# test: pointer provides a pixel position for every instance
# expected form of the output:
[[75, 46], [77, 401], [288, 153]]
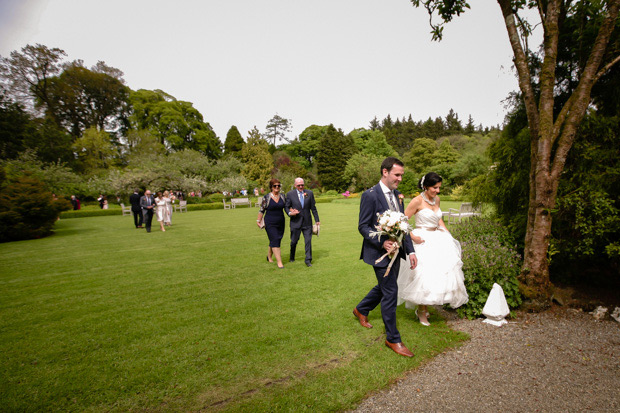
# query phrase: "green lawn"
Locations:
[[101, 316]]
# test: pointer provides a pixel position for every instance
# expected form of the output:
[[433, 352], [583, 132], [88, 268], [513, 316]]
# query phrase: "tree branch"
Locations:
[[605, 69], [520, 60], [580, 99]]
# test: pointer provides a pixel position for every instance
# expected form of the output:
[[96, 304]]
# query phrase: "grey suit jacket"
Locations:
[[144, 203]]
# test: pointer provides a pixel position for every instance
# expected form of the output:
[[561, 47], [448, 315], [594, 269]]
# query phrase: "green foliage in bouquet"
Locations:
[[488, 257]]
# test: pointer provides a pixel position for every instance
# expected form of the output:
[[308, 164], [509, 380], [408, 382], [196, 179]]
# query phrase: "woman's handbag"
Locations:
[[264, 205]]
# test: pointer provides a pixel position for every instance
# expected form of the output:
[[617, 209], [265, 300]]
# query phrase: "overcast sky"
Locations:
[[313, 62]]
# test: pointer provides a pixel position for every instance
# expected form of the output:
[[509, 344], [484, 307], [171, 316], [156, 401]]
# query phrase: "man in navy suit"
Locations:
[[299, 203], [377, 200], [134, 199]]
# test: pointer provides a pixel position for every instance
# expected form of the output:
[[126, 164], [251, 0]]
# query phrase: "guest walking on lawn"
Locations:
[[161, 210], [147, 203], [169, 198], [299, 204], [271, 212], [134, 200]]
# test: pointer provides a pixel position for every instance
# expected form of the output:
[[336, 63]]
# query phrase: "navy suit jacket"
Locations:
[[373, 202], [303, 219], [134, 199]]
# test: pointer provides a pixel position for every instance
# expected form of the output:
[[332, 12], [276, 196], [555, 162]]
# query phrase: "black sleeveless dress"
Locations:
[[274, 222]]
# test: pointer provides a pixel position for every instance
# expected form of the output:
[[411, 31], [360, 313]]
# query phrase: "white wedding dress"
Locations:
[[161, 208], [438, 278]]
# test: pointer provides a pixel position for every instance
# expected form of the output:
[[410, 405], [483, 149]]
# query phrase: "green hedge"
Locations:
[[190, 207], [202, 207], [90, 213]]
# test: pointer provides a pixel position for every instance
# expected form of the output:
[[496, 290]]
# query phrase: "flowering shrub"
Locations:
[[488, 258], [346, 194]]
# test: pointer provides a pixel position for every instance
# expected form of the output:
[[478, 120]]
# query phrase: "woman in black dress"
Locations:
[[272, 208]]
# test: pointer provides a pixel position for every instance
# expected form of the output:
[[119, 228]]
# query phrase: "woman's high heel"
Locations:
[[424, 323]]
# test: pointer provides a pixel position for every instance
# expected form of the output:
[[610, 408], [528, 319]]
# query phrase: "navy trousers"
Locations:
[[386, 294], [295, 235]]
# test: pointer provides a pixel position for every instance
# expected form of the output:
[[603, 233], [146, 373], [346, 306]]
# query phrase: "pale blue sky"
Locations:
[[314, 62]]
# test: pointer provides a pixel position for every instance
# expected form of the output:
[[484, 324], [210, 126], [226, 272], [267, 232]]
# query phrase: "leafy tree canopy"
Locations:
[[258, 161], [372, 142], [307, 145], [176, 124], [80, 98], [421, 156]]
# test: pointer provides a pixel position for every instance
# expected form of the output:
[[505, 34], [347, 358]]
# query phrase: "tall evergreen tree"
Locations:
[[470, 128], [234, 142], [374, 124], [335, 149], [453, 124]]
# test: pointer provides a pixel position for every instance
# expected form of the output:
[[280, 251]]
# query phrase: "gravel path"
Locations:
[[561, 360]]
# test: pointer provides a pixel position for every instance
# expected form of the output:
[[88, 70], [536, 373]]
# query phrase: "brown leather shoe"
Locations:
[[399, 348], [363, 319]]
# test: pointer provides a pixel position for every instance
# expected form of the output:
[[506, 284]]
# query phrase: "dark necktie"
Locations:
[[392, 204]]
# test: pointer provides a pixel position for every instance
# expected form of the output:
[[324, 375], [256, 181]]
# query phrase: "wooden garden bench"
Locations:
[[466, 210], [240, 201], [125, 210]]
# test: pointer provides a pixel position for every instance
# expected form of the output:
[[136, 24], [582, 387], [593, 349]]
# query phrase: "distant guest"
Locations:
[[75, 202], [161, 210], [147, 203], [169, 198], [134, 199]]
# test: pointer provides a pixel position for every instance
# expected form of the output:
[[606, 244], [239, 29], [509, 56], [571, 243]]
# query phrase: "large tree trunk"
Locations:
[[551, 139], [536, 286]]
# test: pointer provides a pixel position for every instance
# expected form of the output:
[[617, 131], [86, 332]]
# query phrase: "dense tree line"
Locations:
[[84, 131]]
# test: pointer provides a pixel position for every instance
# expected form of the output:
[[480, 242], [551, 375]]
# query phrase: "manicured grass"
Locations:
[[104, 317]]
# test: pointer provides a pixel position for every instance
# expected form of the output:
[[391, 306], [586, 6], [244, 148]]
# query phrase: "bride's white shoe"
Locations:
[[424, 323]]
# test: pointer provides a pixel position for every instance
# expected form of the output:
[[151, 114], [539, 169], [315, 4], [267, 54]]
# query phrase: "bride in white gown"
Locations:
[[438, 278]]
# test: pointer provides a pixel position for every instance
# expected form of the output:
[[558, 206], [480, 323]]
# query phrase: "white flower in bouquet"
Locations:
[[395, 225]]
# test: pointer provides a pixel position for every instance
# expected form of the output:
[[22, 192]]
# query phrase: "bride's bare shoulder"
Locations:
[[413, 206], [414, 201]]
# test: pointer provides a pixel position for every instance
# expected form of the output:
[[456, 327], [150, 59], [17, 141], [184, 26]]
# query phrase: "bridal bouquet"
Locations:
[[395, 225]]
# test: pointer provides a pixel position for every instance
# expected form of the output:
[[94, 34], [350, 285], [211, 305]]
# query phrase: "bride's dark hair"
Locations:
[[430, 179]]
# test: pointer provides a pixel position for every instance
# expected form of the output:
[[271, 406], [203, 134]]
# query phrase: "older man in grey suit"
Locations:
[[147, 203]]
